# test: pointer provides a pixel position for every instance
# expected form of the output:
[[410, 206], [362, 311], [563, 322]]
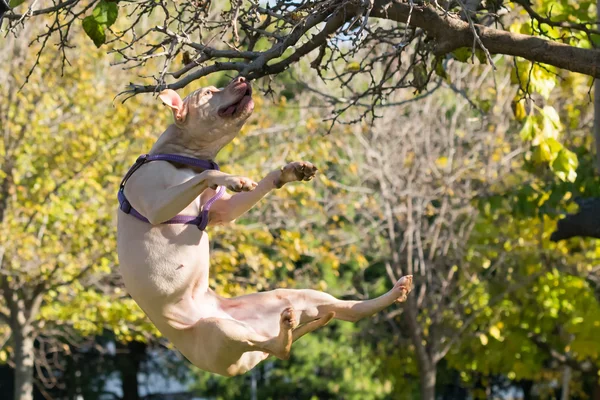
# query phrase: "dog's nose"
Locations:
[[239, 79]]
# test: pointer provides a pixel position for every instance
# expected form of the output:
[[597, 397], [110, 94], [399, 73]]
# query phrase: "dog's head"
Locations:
[[211, 117]]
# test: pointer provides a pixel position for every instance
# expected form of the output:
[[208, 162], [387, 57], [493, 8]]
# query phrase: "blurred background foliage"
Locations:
[[460, 185]]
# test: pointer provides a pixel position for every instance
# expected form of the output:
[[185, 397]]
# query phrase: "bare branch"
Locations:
[[49, 10]]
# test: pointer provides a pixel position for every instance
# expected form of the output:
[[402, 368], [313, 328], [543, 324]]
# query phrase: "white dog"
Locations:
[[164, 252]]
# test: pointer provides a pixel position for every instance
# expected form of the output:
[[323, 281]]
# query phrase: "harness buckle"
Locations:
[[203, 220], [124, 205], [141, 159]]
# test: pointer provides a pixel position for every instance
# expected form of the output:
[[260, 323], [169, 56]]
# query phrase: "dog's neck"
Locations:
[[173, 141]]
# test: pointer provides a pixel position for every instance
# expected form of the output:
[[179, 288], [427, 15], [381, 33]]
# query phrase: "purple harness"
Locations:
[[201, 220]]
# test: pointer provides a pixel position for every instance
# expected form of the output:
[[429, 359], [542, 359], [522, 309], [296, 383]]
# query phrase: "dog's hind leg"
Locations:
[[322, 304], [251, 359], [230, 347], [259, 310], [279, 346], [312, 326], [246, 362], [250, 340]]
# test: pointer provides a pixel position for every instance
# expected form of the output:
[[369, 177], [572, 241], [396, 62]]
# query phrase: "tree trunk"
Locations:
[[596, 392], [566, 382], [597, 108], [526, 386], [597, 122], [428, 377], [129, 361], [253, 384], [427, 366], [24, 358]]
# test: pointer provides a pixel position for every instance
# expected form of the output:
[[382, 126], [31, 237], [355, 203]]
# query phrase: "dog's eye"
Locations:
[[202, 94]]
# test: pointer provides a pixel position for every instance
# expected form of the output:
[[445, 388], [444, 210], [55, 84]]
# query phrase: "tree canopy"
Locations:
[[363, 52], [254, 39]]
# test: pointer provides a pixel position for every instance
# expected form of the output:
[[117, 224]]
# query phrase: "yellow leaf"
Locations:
[[353, 67], [483, 338], [519, 110], [495, 332]]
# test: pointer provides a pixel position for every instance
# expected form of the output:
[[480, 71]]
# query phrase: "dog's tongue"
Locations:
[[229, 110]]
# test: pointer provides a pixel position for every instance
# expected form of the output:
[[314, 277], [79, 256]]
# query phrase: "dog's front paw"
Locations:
[[288, 319], [296, 171], [235, 183], [402, 288]]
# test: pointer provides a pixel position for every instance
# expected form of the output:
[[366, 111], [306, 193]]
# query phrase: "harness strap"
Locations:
[[201, 221]]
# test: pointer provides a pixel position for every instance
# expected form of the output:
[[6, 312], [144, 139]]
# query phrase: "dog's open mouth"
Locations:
[[242, 103]]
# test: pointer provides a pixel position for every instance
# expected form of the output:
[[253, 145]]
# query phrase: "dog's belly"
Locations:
[[165, 269], [162, 267]]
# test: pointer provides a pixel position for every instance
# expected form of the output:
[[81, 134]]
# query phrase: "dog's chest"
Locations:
[[165, 260]]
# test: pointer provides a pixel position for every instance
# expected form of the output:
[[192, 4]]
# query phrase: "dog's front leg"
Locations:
[[161, 205], [229, 208]]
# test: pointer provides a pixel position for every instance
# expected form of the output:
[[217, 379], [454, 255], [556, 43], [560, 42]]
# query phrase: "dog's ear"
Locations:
[[172, 99]]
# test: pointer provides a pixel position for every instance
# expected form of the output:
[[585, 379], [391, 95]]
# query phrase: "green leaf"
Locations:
[[438, 64], [15, 3], [94, 30], [462, 54], [527, 132], [495, 202], [537, 79], [552, 116], [554, 145], [565, 164], [551, 122], [420, 75], [541, 153], [105, 13], [480, 54]]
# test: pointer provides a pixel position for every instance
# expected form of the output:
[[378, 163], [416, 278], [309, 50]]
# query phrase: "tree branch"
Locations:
[[452, 33], [584, 223], [338, 19], [49, 10], [559, 24], [257, 66]]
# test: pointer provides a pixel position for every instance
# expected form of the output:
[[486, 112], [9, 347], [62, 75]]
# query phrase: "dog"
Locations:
[[165, 263]]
